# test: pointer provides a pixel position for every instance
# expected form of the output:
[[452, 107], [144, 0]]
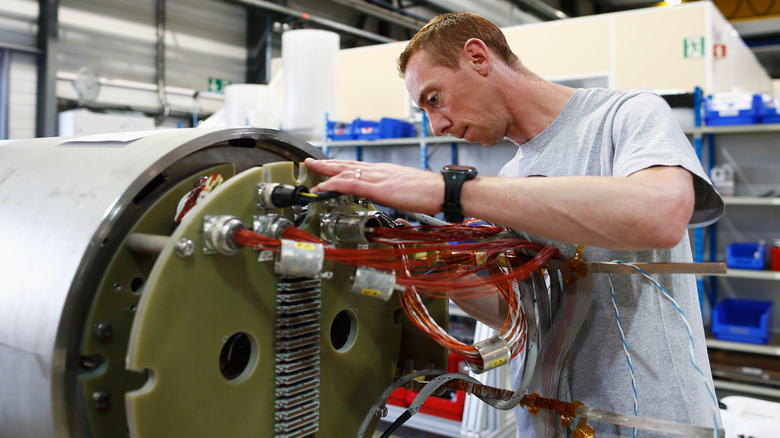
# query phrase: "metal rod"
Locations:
[[146, 243], [5, 69], [650, 268], [409, 22], [648, 423], [314, 19], [565, 408], [20, 48], [46, 98]]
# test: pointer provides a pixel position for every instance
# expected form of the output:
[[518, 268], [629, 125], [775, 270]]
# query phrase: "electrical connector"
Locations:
[[286, 195]]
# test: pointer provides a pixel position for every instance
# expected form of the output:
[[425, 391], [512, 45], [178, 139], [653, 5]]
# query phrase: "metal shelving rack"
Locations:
[[706, 134]]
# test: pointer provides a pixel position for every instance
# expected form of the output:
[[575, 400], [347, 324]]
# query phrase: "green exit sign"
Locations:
[[218, 84], [693, 47]]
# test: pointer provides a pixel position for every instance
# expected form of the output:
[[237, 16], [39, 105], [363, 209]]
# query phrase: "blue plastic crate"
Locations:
[[735, 111], [366, 129], [385, 128], [339, 131], [745, 255], [742, 320], [769, 111]]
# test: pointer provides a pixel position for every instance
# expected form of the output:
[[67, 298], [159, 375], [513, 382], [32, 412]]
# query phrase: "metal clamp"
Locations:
[[494, 352], [300, 259], [372, 282]]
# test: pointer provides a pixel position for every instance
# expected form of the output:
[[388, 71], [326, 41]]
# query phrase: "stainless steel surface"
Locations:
[[347, 228], [64, 204], [494, 351], [218, 234]]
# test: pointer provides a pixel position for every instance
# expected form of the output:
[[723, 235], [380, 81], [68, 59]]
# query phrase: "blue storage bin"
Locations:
[[386, 127], [339, 131], [745, 255], [741, 110], [407, 130], [365, 129], [395, 128], [742, 321], [770, 111]]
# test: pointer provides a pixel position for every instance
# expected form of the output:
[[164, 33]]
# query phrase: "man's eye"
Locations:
[[433, 99]]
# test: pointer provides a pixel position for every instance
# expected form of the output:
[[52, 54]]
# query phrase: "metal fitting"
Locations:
[[185, 247], [264, 191], [100, 400], [218, 234], [494, 351], [271, 225], [372, 282], [103, 331], [347, 228], [300, 259]]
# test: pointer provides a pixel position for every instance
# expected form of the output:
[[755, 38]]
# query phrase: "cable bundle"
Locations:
[[449, 261]]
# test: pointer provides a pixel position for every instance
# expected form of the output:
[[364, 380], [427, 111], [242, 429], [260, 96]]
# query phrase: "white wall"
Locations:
[[117, 38], [632, 49], [18, 20]]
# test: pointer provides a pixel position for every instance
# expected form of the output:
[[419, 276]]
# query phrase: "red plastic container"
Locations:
[[450, 405], [774, 257]]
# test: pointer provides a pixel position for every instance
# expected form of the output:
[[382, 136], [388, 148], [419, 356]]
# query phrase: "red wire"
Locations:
[[439, 262]]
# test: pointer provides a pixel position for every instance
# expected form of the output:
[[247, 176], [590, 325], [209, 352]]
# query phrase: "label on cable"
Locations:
[[265, 256]]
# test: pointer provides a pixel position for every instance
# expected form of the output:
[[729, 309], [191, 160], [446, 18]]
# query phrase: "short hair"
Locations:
[[445, 35]]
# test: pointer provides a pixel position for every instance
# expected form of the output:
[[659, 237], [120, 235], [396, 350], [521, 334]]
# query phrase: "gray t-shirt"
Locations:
[[616, 133]]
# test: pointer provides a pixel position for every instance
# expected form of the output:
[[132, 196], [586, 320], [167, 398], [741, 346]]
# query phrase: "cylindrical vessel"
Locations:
[[64, 205], [309, 63]]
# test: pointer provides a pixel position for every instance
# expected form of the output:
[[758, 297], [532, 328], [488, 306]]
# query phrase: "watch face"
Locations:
[[454, 168]]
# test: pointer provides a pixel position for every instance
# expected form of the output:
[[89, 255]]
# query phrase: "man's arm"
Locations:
[[649, 209], [490, 309]]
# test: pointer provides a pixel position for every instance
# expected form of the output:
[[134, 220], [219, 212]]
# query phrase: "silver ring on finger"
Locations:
[[358, 173]]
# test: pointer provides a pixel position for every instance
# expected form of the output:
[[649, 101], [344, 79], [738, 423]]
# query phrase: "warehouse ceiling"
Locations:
[[365, 22]]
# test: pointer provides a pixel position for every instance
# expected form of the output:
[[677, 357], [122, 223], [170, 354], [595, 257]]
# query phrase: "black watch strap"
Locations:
[[454, 177]]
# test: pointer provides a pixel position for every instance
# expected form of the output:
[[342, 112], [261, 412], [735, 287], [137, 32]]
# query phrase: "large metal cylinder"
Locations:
[[83, 305], [63, 202]]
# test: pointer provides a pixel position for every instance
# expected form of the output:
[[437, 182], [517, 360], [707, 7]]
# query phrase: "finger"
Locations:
[[403, 222], [332, 167]]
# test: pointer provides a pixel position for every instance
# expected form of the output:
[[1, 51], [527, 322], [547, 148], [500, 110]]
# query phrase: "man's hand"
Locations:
[[400, 187]]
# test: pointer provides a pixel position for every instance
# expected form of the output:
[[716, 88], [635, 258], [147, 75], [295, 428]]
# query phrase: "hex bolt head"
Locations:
[[185, 247], [100, 400], [103, 330]]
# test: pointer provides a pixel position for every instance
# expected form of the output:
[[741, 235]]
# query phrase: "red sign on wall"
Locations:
[[719, 50]]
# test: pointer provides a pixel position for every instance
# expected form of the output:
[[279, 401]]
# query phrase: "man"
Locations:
[[622, 179]]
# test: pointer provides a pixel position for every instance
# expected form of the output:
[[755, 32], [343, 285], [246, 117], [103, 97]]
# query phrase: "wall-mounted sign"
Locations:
[[693, 47]]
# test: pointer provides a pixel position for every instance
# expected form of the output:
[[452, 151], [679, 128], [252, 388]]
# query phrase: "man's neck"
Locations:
[[534, 104]]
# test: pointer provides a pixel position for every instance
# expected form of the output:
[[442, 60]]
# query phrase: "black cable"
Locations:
[[286, 195], [397, 423]]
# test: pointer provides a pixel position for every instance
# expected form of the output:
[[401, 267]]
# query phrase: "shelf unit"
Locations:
[[740, 212]]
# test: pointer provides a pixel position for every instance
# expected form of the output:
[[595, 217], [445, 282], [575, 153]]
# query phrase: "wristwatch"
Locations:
[[454, 177]]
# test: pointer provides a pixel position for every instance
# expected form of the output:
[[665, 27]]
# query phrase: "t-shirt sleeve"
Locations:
[[645, 135]]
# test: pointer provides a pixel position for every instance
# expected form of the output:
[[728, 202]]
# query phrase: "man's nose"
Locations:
[[440, 125]]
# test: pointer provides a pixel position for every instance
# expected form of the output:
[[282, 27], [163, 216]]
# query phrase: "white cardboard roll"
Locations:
[[309, 59]]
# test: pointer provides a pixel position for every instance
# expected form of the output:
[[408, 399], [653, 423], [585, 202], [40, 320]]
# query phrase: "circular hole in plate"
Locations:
[[343, 331], [238, 356]]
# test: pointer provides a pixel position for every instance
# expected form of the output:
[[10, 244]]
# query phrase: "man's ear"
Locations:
[[477, 56]]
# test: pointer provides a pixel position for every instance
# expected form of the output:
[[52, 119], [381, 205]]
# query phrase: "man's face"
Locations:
[[457, 102]]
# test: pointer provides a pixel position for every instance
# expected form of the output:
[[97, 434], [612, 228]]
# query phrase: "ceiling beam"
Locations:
[[330, 24]]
